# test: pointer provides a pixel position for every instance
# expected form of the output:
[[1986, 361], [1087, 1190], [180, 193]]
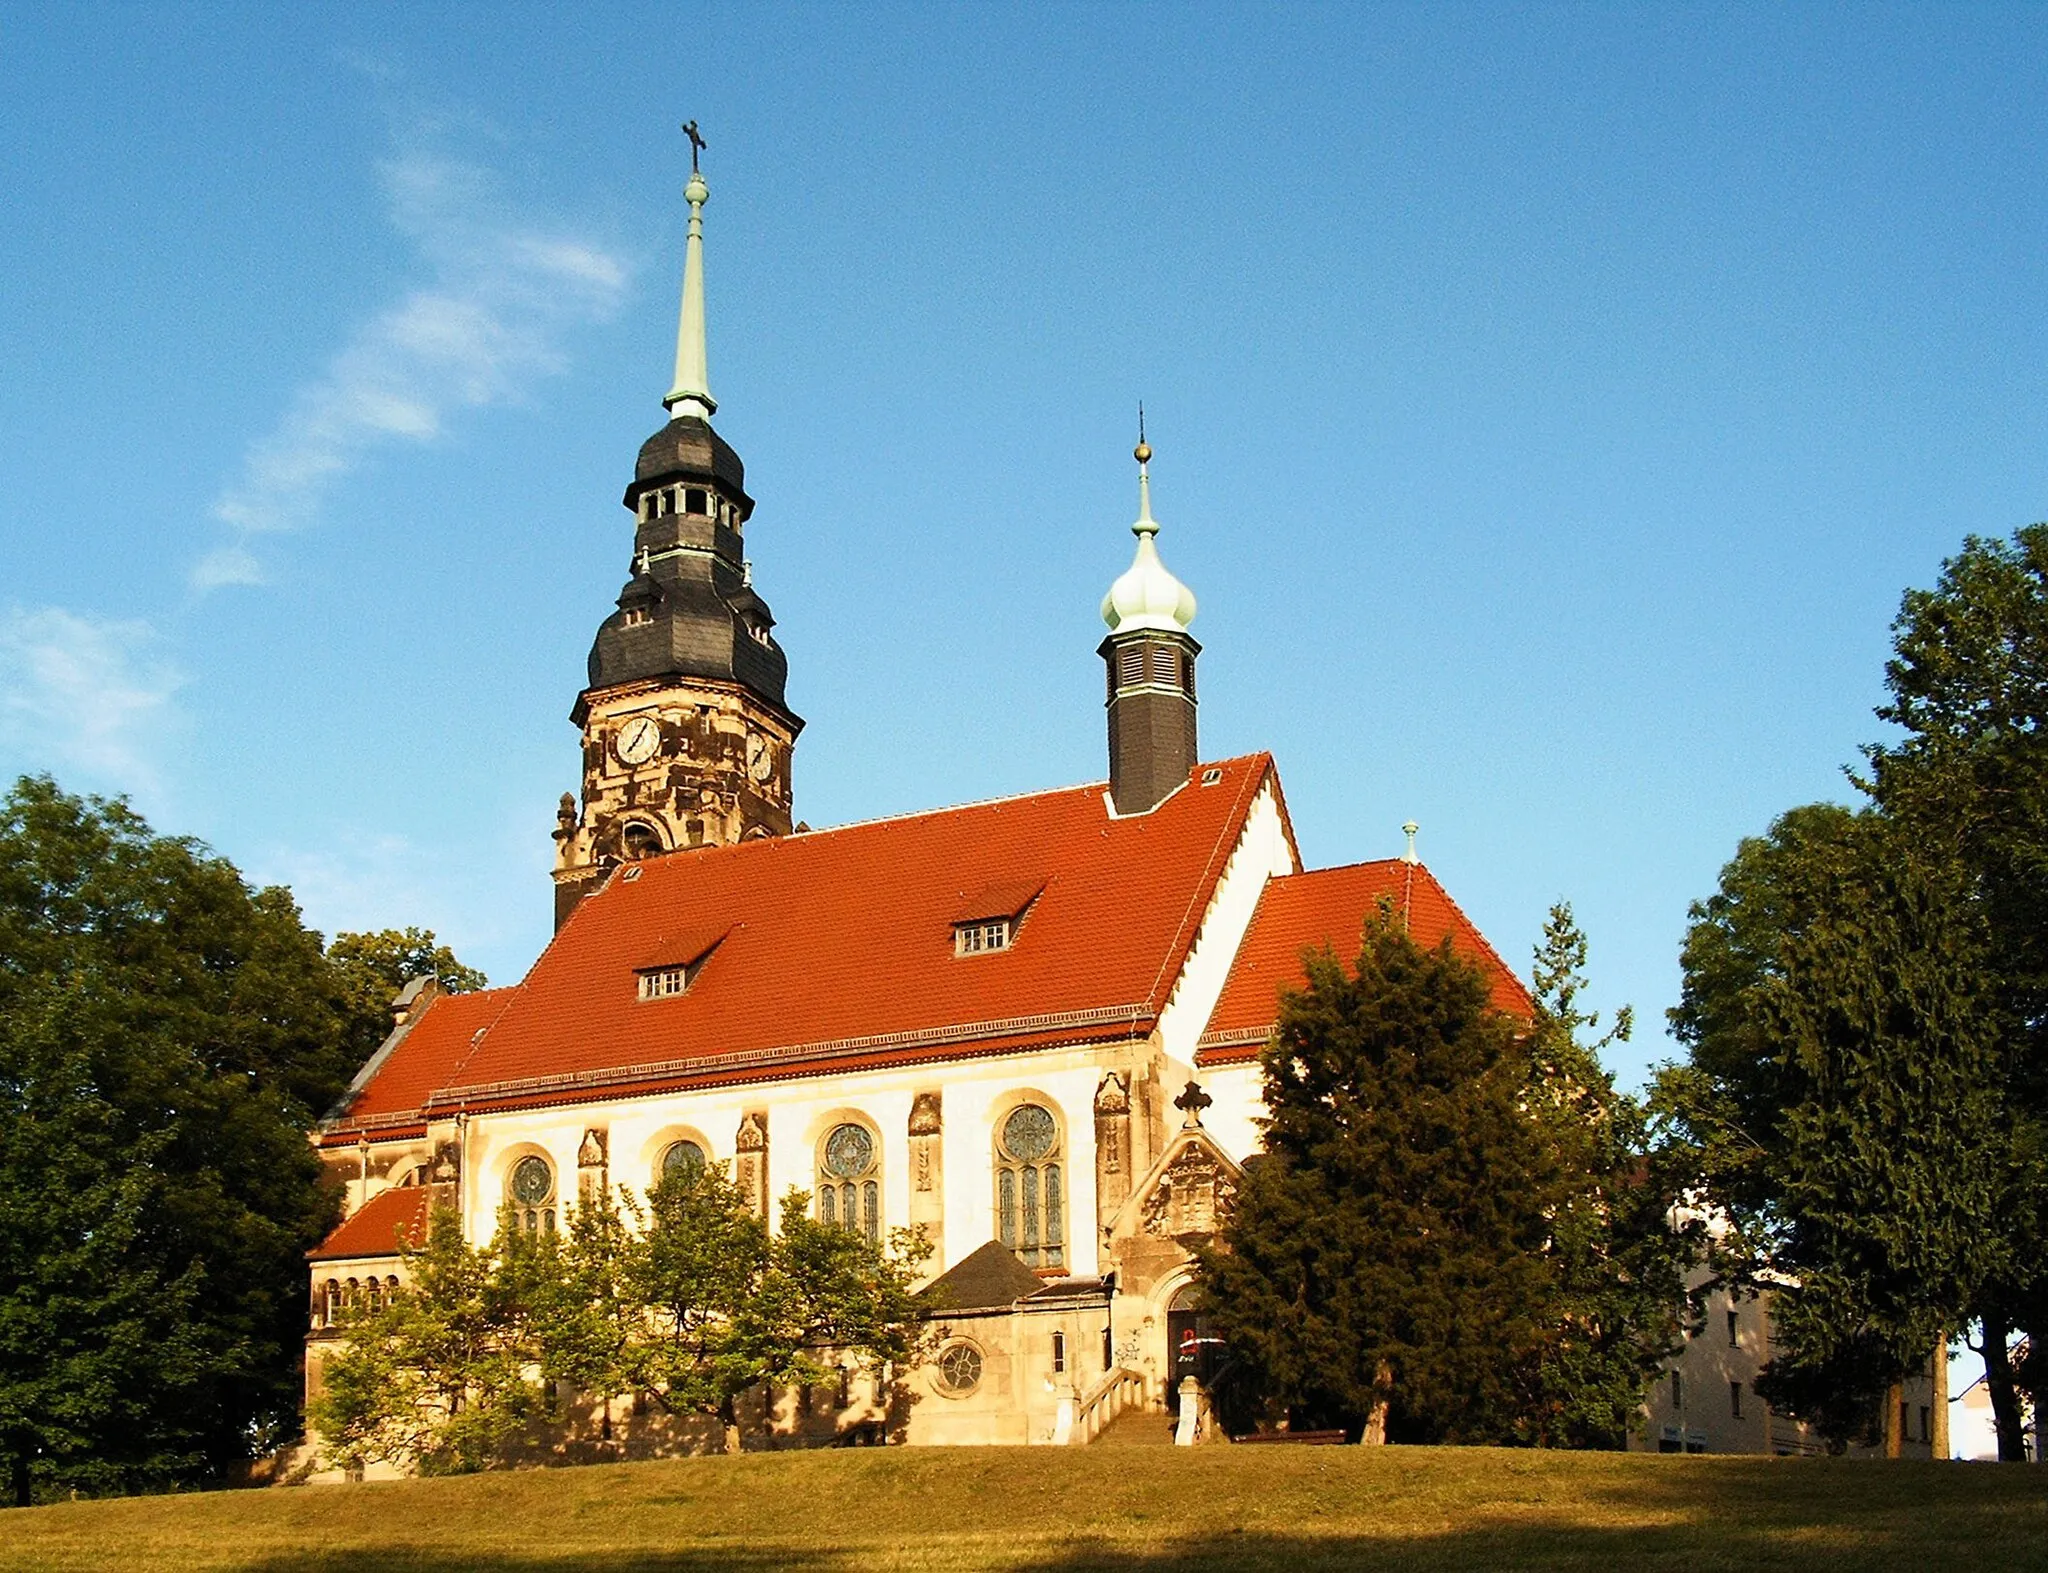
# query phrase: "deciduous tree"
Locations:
[[166, 1034]]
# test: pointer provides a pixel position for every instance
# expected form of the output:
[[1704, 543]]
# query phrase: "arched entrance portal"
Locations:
[[1193, 1349]]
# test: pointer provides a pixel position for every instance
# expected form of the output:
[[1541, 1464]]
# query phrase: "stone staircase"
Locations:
[[1137, 1428]]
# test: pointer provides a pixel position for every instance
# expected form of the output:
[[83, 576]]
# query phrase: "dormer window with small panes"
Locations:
[[974, 939]]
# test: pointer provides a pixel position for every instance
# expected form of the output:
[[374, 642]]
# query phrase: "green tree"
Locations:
[[1839, 1102], [732, 1305], [165, 1036], [1621, 1260], [441, 1376], [1385, 1267], [1968, 781], [371, 968], [688, 1298]]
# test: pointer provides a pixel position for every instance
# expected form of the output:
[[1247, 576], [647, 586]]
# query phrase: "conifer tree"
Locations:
[[1385, 1268], [1620, 1252], [1967, 781], [1840, 1101]]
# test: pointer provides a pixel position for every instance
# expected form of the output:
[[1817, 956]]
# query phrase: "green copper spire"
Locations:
[[692, 393]]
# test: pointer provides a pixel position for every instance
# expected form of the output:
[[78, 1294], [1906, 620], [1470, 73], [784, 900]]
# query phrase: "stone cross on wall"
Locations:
[[1191, 1102]]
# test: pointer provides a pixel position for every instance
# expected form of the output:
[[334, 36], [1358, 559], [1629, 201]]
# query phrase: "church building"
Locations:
[[1029, 1026]]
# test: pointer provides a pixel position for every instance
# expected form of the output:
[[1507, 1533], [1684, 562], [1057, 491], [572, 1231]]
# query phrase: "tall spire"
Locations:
[[692, 393]]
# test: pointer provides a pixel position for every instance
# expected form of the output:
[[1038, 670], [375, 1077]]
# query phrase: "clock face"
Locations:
[[637, 740], [760, 758]]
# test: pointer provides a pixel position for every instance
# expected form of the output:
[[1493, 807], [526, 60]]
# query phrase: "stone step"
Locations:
[[1137, 1428]]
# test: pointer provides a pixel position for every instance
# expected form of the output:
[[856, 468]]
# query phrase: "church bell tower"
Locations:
[[1151, 659], [686, 733]]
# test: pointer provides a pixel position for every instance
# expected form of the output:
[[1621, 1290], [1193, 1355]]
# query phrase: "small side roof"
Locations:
[[1328, 906], [415, 1063], [989, 1278], [388, 1223]]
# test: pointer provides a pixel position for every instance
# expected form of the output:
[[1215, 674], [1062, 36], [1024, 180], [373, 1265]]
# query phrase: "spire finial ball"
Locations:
[[696, 192], [1143, 452]]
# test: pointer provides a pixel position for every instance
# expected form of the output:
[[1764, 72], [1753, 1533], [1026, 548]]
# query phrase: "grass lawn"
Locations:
[[1129, 1509]]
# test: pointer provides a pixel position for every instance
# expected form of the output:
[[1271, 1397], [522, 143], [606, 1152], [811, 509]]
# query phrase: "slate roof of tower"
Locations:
[[380, 1226], [835, 949], [1328, 907]]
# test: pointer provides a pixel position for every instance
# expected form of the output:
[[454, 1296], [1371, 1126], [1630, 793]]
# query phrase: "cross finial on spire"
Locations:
[[691, 394]]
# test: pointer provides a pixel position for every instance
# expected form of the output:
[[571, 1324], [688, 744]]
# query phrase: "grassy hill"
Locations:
[[1129, 1509]]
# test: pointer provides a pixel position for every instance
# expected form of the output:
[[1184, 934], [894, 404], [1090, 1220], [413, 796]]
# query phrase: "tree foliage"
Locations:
[[371, 968], [687, 1297], [1620, 1258], [1839, 1100], [1397, 1251], [166, 1033], [1968, 782]]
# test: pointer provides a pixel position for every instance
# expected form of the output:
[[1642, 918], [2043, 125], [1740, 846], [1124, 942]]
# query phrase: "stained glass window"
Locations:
[[1030, 1204], [959, 1368], [683, 1158], [849, 1189]]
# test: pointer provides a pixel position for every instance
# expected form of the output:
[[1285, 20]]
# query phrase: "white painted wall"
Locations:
[[975, 1096]]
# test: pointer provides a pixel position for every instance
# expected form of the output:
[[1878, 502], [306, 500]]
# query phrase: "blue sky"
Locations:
[[1550, 406]]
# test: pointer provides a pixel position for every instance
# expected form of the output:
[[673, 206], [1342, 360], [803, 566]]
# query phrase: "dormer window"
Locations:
[[667, 979], [636, 615], [974, 939], [663, 982]]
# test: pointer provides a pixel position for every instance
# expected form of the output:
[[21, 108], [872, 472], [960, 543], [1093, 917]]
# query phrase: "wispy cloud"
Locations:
[[94, 695], [495, 300]]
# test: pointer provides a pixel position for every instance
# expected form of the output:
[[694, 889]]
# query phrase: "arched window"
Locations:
[[850, 1180], [682, 1158], [639, 841], [532, 1193], [332, 1308], [390, 1288], [1031, 1198]]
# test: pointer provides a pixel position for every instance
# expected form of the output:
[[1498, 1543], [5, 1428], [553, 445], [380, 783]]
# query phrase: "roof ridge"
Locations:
[[1212, 875], [1473, 929], [985, 802]]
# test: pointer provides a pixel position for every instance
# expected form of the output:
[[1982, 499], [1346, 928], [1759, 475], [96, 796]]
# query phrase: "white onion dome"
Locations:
[[1146, 595]]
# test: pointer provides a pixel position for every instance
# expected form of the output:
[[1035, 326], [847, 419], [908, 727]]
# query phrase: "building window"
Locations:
[[959, 1368], [849, 1181], [981, 936], [1059, 1353], [1734, 1340], [1030, 1187], [532, 1191], [845, 1400], [1108, 1352], [639, 841], [694, 501], [1735, 1399], [1677, 1391], [636, 615], [331, 1309], [662, 982], [682, 1159], [1925, 1434]]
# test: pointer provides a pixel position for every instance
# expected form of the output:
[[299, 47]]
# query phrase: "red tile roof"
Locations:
[[420, 1063], [1328, 907], [378, 1226], [837, 945]]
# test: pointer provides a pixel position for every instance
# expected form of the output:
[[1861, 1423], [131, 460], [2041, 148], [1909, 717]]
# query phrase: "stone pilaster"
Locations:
[[750, 1166], [1113, 1154], [927, 1176]]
